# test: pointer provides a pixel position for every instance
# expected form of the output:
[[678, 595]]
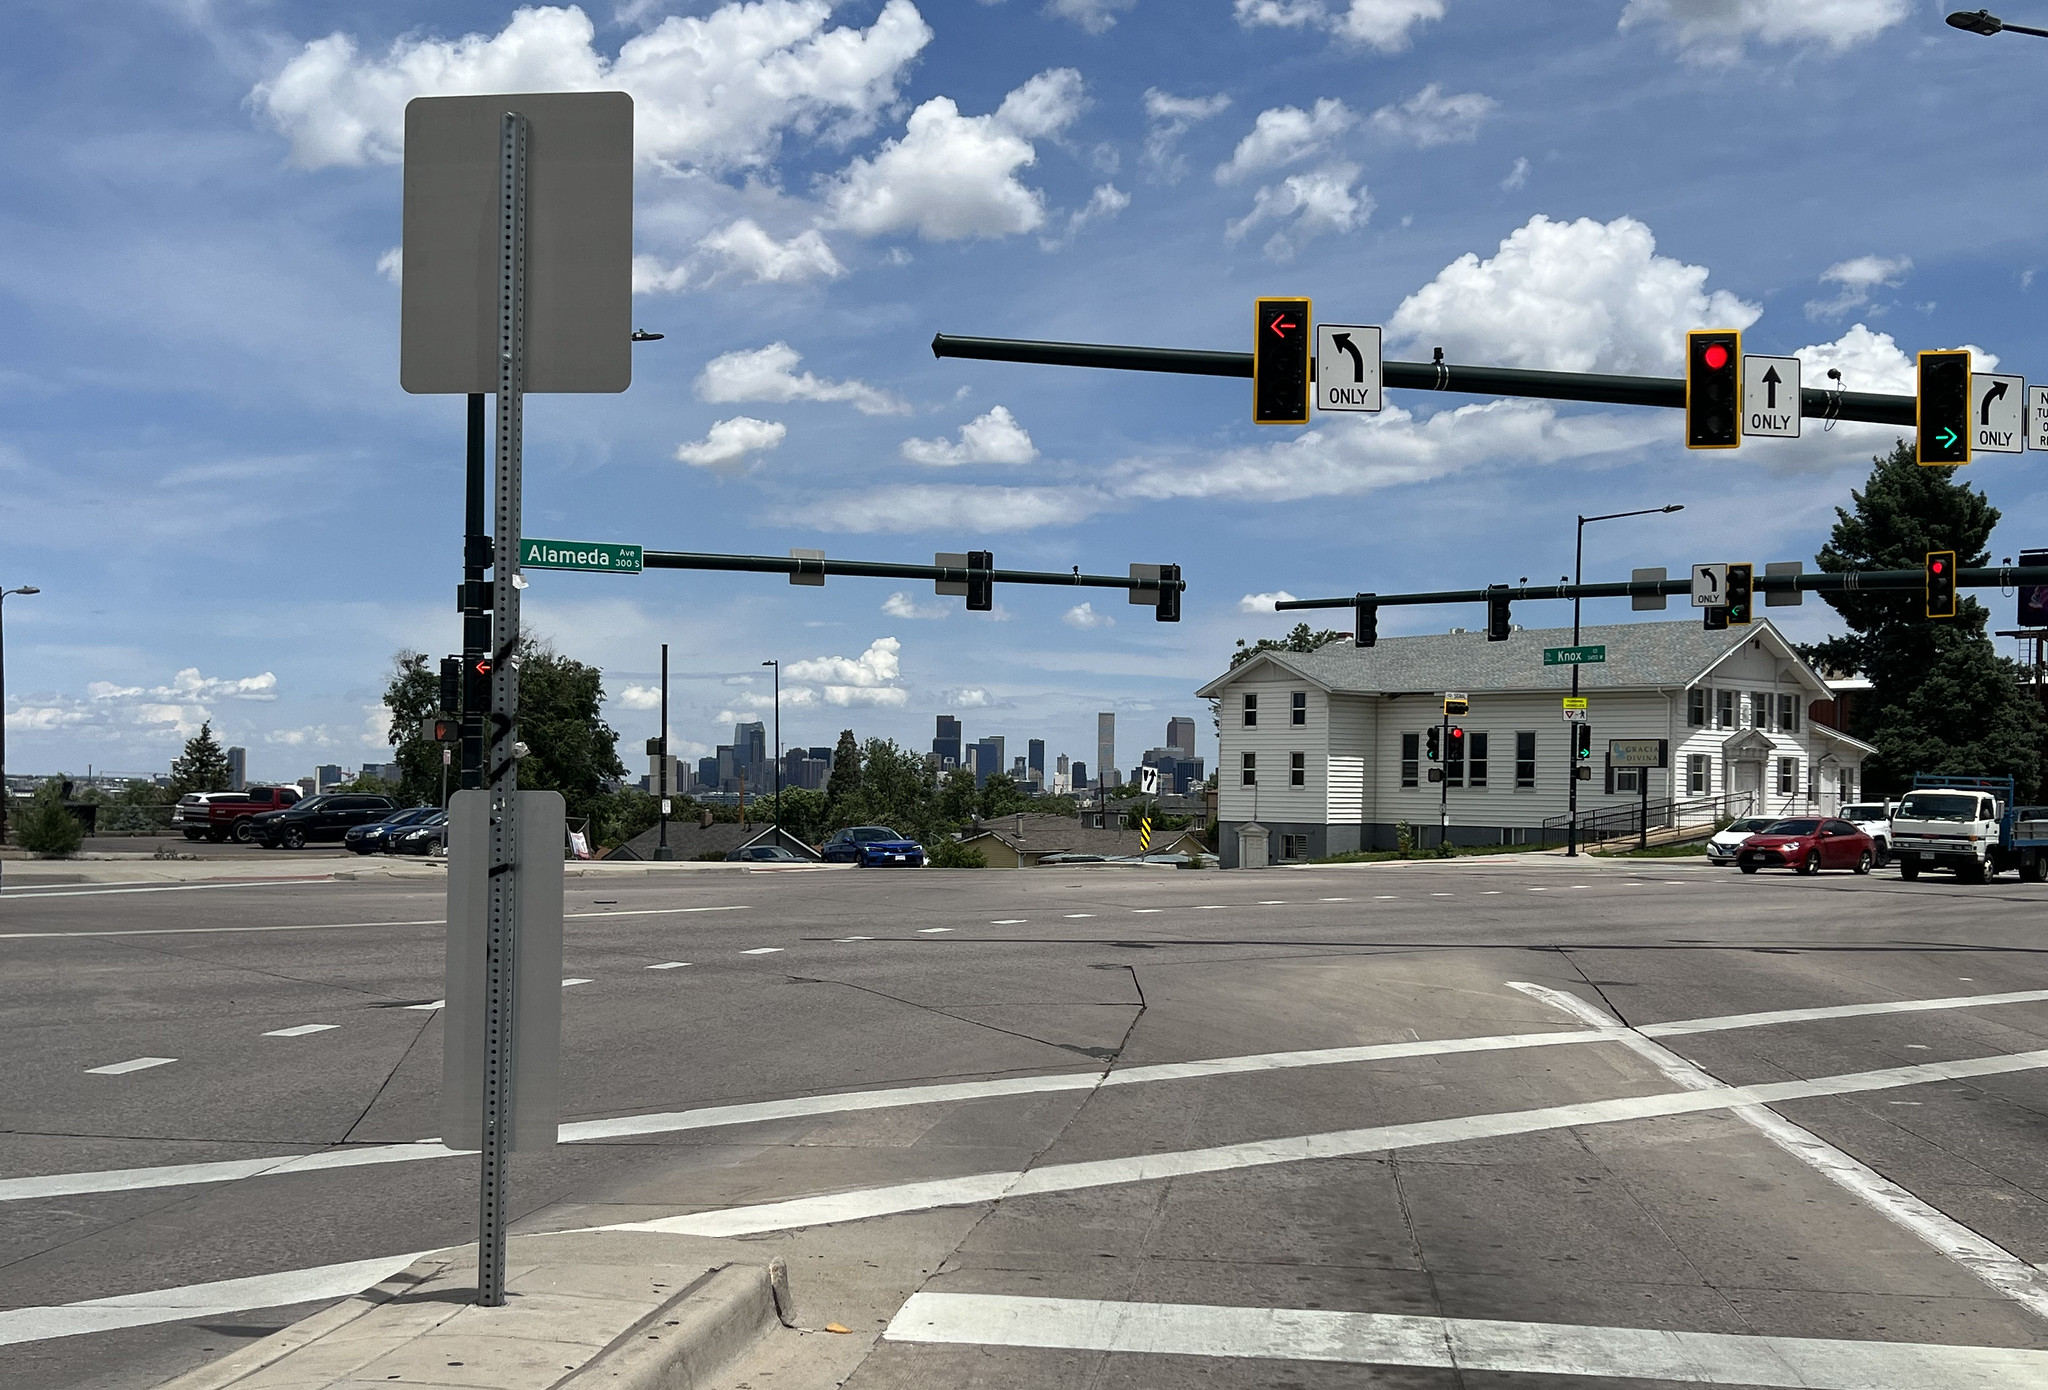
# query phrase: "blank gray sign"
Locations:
[[579, 240]]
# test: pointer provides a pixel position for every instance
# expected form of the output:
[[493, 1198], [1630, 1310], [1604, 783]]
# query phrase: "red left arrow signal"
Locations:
[[1280, 322]]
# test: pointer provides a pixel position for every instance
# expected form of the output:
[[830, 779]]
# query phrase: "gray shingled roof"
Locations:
[[1671, 653]]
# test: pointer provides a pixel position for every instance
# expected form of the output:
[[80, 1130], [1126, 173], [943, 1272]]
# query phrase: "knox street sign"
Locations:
[[1574, 656]]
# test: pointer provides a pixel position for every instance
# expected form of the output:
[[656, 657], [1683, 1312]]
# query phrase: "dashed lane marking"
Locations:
[[303, 1030], [1003, 922], [1077, 914], [1461, 1344], [667, 965], [1147, 909], [932, 931], [577, 980], [426, 1008], [1384, 897], [761, 951], [1333, 900], [842, 940], [135, 1064], [1272, 902]]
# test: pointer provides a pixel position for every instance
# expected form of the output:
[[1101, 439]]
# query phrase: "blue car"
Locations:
[[369, 839], [872, 846]]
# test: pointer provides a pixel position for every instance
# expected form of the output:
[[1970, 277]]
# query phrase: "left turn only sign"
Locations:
[[1348, 367]]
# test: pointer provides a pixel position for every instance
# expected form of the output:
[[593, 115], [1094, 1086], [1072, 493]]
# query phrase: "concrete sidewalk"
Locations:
[[581, 1311]]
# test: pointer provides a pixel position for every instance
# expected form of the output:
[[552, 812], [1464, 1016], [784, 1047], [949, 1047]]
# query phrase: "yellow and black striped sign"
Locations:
[[1145, 835]]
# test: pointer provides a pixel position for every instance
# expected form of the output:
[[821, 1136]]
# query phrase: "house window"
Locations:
[[1300, 708], [1696, 707], [1251, 710], [1626, 779], [1525, 760], [1788, 776], [1724, 709], [1788, 714], [1297, 769], [1697, 775], [1477, 775], [1760, 702], [1411, 758], [1251, 770], [1294, 846]]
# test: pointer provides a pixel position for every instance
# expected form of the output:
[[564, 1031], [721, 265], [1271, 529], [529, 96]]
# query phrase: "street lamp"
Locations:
[[24, 589], [1571, 824], [1985, 22], [778, 748], [663, 784]]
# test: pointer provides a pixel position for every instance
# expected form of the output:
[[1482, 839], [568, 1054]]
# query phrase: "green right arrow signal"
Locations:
[[1947, 438]]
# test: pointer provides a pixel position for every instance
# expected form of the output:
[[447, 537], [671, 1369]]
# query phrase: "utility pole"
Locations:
[[1443, 830], [661, 849], [777, 664]]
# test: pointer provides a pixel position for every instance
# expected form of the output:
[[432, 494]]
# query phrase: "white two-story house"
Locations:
[[1326, 749]]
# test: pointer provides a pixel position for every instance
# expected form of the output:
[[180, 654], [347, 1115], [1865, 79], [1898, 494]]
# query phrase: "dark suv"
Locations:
[[317, 818]]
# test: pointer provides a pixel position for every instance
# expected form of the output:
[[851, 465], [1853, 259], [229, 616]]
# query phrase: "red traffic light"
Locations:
[[1716, 356], [483, 666], [1938, 566]]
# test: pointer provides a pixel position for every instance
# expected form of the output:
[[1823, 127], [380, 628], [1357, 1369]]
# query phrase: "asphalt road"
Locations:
[[1467, 1123]]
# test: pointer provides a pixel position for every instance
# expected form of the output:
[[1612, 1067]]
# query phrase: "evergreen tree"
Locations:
[[47, 827], [844, 782], [1942, 700], [1300, 639], [204, 767]]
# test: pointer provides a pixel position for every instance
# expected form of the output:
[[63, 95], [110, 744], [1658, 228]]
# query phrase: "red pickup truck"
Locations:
[[227, 817]]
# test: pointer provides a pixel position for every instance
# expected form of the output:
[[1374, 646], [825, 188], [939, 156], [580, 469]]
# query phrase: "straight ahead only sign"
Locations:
[[1770, 397]]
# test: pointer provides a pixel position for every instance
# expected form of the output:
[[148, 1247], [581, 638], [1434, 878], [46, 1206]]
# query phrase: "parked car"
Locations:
[[1873, 818], [1722, 848], [428, 836], [369, 839], [228, 817], [765, 854], [1807, 846], [872, 846], [191, 814], [318, 818]]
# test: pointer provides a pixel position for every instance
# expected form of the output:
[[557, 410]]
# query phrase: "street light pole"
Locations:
[[24, 589], [1571, 824], [662, 781], [778, 748], [1986, 23]]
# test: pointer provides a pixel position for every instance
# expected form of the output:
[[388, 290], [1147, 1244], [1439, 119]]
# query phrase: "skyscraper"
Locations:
[[750, 750], [1180, 733], [1105, 746], [238, 769], [1034, 757], [947, 744]]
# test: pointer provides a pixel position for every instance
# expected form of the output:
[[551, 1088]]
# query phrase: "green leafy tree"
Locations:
[[571, 749], [623, 814], [949, 853], [46, 826], [896, 789], [412, 692], [845, 779], [1300, 639], [804, 814], [1000, 797], [1942, 700], [204, 766], [957, 801]]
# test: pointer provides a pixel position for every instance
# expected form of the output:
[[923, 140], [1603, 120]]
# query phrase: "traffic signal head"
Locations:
[[1714, 619], [1457, 704], [476, 685], [1713, 389], [1280, 363], [1741, 608], [1497, 626], [451, 685], [1456, 748], [981, 589], [1168, 610], [1941, 583], [1582, 742], [1434, 742], [1943, 436], [1365, 621]]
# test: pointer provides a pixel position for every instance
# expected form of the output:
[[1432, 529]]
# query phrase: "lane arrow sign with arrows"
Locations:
[[1348, 367], [1770, 397]]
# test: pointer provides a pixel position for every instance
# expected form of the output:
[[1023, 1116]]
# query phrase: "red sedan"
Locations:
[[1808, 846]]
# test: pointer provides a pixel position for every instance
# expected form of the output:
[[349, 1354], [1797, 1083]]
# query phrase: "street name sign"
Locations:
[[1998, 412], [1574, 656], [579, 555], [1348, 367], [1635, 752], [1770, 397], [1710, 586], [2037, 417]]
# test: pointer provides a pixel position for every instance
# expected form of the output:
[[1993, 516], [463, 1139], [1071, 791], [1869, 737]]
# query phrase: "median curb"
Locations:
[[567, 1324]]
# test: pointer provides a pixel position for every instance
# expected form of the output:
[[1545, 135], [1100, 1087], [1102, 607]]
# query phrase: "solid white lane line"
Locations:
[[325, 926], [123, 1068], [1892, 1006], [761, 951], [19, 1325], [1989, 1261], [1463, 1344], [576, 980], [84, 891], [303, 1030], [667, 965], [1070, 1177]]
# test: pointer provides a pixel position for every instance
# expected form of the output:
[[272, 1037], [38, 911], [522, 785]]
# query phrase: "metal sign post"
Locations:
[[502, 777]]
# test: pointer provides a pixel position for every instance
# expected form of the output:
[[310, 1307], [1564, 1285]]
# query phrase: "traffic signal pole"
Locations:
[[1664, 392], [882, 569], [1851, 581]]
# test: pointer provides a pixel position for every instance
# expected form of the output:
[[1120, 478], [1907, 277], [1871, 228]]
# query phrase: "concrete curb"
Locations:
[[684, 1343]]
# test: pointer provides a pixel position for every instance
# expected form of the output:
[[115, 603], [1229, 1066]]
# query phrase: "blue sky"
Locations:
[[234, 513]]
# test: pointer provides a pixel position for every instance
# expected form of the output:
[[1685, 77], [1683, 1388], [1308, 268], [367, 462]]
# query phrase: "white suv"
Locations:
[[1873, 818]]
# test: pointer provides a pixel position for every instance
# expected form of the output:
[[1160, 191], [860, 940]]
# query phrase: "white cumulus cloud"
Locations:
[[1716, 31], [1431, 118], [728, 443], [1386, 25], [969, 697], [1284, 135], [877, 666], [641, 697], [995, 437], [769, 374], [1318, 201], [904, 605], [1856, 278], [1580, 296], [1084, 615], [1263, 603], [1168, 118], [1094, 16], [966, 509], [716, 91], [743, 249]]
